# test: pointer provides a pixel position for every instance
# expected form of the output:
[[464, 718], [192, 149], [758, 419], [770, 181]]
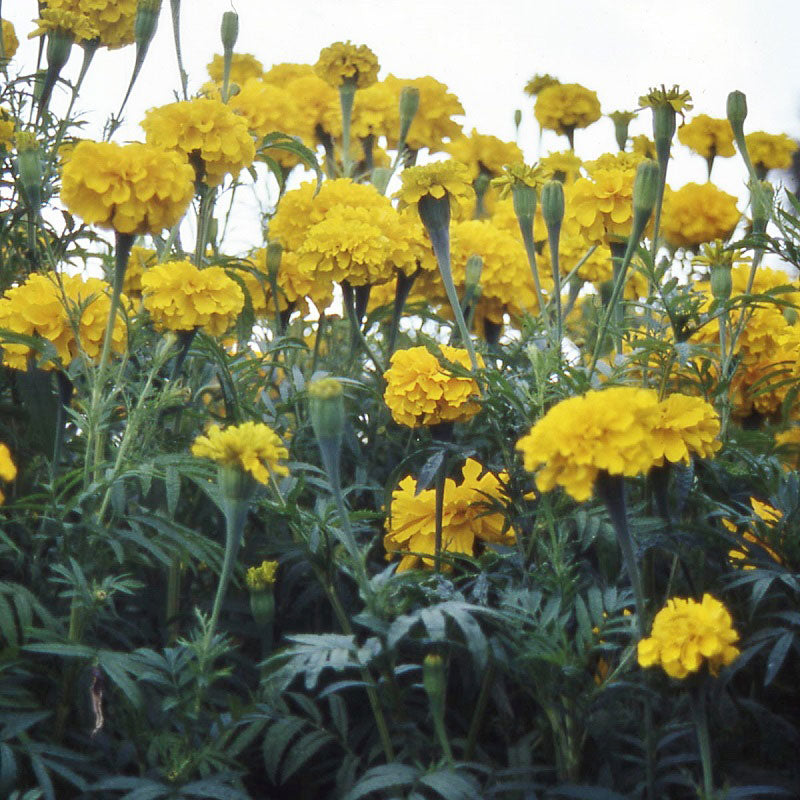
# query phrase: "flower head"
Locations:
[[770, 151], [686, 634], [114, 20], [622, 430], [253, 447], [698, 213], [68, 311], [344, 61], [679, 101], [601, 206], [8, 470], [518, 175], [467, 515], [539, 82], [181, 297], [133, 188], [421, 391], [262, 577], [707, 136], [438, 179], [566, 106], [483, 154], [213, 137], [243, 67], [8, 36], [74, 23]]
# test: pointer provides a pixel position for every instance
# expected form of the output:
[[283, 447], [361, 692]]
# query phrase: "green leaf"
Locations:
[[277, 740], [777, 656], [300, 753], [380, 778], [451, 785], [172, 483], [428, 471]]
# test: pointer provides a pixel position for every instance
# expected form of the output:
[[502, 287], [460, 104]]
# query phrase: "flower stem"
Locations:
[[700, 713]]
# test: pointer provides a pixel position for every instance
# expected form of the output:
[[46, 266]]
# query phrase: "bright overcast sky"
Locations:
[[485, 52]]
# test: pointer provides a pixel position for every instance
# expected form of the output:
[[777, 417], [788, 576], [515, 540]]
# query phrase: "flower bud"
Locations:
[[524, 200], [790, 315], [760, 204], [326, 404], [29, 169], [235, 485], [645, 187], [433, 680], [381, 177], [409, 105], [473, 273], [517, 118], [553, 204], [721, 283], [274, 255], [229, 30], [737, 112], [147, 12]]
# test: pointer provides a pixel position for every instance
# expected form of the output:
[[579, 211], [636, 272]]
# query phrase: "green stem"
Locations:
[[347, 93], [207, 196], [176, 31], [700, 713], [480, 710], [355, 326], [441, 474], [530, 251]]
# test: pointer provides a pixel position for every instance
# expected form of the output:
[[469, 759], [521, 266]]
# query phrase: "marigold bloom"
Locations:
[[622, 430], [484, 154], [518, 175], [252, 447], [437, 179], [707, 136], [679, 101], [466, 516], [56, 307], [686, 634], [344, 61], [769, 516], [644, 146], [374, 113], [212, 136], [770, 151], [113, 19], [283, 74], [314, 99], [562, 165], [262, 577], [420, 391], [601, 206], [133, 188], [433, 123], [9, 39], [243, 67], [698, 213], [8, 470], [181, 297], [566, 106], [75, 23], [139, 260], [539, 82], [7, 127]]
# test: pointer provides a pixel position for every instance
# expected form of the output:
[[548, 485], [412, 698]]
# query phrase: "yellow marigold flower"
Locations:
[[113, 19], [294, 284], [433, 123], [539, 82], [314, 100], [282, 74], [518, 175], [626, 162], [261, 578], [343, 61], [9, 39], [359, 245], [622, 430], [601, 206], [483, 154], [466, 516], [769, 516], [74, 23], [181, 297], [134, 188], [698, 213], [562, 165], [506, 281], [56, 307], [7, 127], [243, 67], [140, 259], [770, 151], [708, 137], [438, 179], [301, 208], [252, 447], [686, 634], [789, 443], [644, 146], [676, 99], [212, 136], [374, 113], [421, 391], [8, 470], [566, 106]]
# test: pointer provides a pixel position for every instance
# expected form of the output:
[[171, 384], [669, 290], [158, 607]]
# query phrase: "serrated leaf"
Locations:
[[300, 753], [428, 471], [777, 656], [276, 741], [451, 785], [381, 778]]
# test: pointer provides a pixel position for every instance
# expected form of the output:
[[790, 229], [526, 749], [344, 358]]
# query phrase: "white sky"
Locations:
[[486, 51]]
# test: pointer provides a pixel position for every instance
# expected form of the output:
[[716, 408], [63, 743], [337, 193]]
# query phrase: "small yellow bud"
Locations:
[[433, 679], [326, 404], [721, 283]]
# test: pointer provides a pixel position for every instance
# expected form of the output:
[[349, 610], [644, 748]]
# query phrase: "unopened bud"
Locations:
[[760, 204], [517, 118], [645, 187], [790, 315], [737, 112], [524, 200], [29, 169], [326, 404], [553, 204], [146, 22], [380, 178], [721, 283], [229, 30], [663, 130], [274, 255], [434, 681], [473, 273], [409, 105]]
